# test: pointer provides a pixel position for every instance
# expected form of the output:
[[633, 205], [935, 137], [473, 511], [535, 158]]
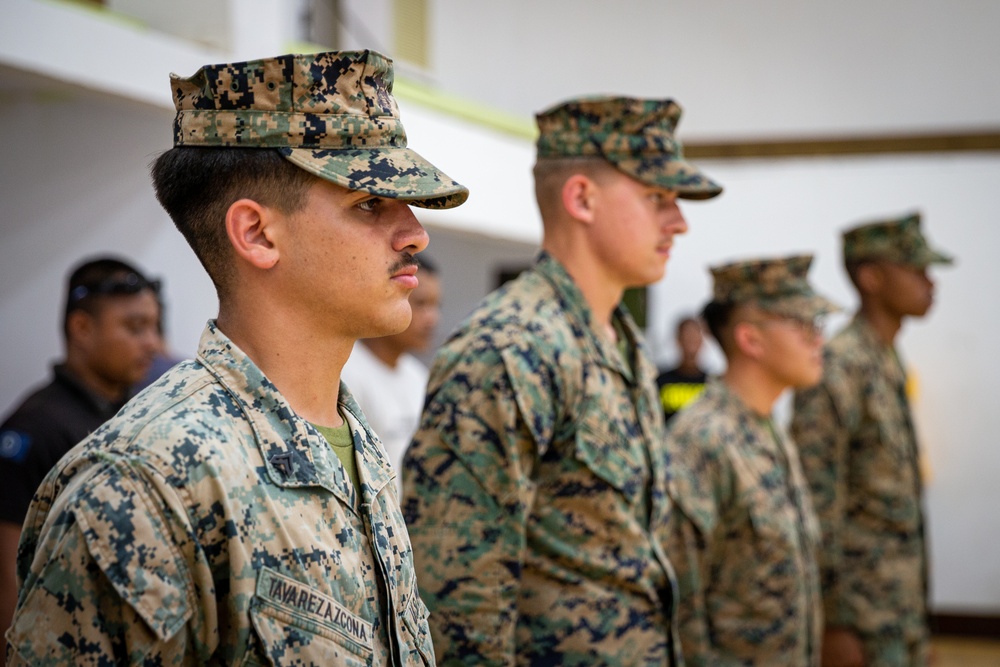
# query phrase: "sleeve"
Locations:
[[822, 437], [468, 495], [108, 580]]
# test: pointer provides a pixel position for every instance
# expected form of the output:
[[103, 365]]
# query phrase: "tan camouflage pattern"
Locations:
[[332, 114], [207, 523], [742, 538], [532, 483], [896, 240], [777, 285], [859, 454], [635, 135]]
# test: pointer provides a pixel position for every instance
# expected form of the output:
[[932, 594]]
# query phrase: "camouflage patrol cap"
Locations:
[[635, 135], [332, 114], [777, 286], [896, 240]]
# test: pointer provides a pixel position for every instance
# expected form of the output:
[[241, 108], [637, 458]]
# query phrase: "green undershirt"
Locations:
[[342, 443]]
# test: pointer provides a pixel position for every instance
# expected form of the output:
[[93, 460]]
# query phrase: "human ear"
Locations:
[[578, 194], [248, 226], [748, 339], [869, 277], [80, 327]]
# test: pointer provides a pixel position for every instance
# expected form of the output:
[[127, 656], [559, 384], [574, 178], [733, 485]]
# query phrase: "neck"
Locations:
[[689, 367], [384, 350], [885, 324], [599, 290], [114, 392], [754, 386], [302, 361]]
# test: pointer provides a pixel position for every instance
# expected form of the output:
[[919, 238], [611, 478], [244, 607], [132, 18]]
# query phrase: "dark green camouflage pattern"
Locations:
[[896, 240], [859, 453], [332, 114], [635, 135], [208, 524], [778, 286], [742, 538], [532, 483]]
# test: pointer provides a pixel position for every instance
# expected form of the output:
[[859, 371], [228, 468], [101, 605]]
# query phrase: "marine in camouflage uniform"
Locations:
[[859, 452], [532, 483], [743, 535], [210, 522]]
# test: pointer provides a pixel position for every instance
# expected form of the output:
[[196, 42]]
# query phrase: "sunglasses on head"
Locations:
[[129, 283]]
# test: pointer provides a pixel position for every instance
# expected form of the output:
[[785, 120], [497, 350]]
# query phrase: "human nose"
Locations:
[[411, 237], [676, 223]]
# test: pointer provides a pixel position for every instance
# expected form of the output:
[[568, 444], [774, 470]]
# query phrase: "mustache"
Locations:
[[405, 260]]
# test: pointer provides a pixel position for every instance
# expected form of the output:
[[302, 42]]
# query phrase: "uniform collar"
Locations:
[[294, 453], [886, 355], [576, 307]]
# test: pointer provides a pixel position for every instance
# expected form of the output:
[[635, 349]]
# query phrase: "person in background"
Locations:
[[109, 334], [681, 385], [387, 381], [164, 359], [240, 511], [860, 455], [530, 487], [743, 535]]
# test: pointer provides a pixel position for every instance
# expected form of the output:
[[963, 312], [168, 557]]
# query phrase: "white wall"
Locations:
[[740, 69]]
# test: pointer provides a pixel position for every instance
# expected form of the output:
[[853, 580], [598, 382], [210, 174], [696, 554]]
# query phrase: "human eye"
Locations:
[[370, 205], [657, 199]]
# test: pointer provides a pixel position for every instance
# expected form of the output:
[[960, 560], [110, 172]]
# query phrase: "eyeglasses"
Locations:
[[129, 283], [810, 329]]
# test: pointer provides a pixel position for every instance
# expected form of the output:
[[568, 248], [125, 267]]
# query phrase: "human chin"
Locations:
[[397, 319]]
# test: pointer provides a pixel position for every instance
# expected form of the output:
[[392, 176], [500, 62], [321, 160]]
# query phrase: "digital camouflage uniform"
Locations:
[[530, 487], [743, 534], [742, 538], [208, 523], [860, 456]]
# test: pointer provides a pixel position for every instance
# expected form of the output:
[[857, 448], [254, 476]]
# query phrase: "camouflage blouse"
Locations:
[[207, 523], [531, 484], [743, 538]]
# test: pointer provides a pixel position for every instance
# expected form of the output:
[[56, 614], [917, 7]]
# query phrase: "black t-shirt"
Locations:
[[36, 435], [677, 389]]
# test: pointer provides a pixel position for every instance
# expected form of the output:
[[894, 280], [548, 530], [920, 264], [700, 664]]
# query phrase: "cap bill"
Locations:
[[390, 172], [803, 307], [668, 173]]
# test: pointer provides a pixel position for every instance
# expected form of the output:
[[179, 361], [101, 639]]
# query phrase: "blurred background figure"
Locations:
[[165, 358], [861, 457], [743, 537], [387, 380], [681, 385], [110, 333]]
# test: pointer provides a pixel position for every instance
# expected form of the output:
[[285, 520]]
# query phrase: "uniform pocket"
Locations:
[[294, 624], [608, 452]]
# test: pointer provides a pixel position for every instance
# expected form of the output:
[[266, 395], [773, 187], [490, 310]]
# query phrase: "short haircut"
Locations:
[[718, 316], [92, 282], [197, 185], [551, 173]]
